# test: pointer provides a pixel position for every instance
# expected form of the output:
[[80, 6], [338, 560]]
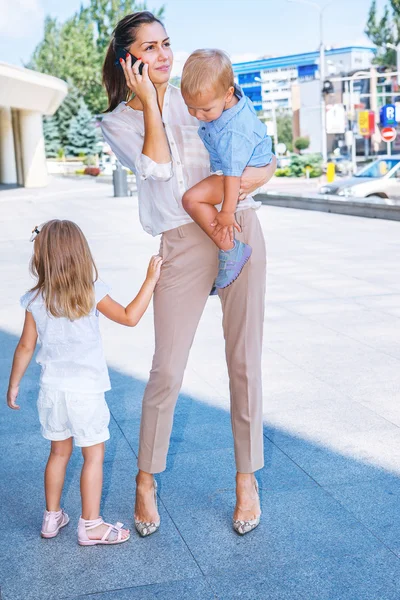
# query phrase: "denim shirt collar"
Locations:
[[228, 114]]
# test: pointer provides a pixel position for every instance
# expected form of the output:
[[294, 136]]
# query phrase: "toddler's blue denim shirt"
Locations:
[[237, 139]]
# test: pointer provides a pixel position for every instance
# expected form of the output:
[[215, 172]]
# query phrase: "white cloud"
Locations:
[[20, 17]]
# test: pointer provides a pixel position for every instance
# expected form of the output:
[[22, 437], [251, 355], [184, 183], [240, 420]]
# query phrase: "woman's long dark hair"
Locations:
[[123, 36]]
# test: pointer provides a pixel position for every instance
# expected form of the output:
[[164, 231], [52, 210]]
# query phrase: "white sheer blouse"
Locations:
[[161, 186]]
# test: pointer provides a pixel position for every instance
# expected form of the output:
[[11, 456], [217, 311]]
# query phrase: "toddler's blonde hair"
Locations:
[[207, 70], [65, 270]]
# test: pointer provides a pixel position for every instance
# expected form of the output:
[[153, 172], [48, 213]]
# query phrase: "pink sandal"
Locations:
[[53, 521], [113, 535]]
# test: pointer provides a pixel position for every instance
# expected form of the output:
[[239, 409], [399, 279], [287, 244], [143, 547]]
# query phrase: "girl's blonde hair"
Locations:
[[207, 70], [65, 270]]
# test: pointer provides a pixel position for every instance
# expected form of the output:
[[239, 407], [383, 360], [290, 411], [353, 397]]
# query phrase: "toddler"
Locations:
[[235, 138], [62, 310]]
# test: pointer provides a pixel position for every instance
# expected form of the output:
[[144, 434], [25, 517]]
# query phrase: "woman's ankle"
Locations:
[[244, 479], [144, 480]]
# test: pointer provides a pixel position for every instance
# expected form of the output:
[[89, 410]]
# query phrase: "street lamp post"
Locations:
[[321, 10], [352, 120]]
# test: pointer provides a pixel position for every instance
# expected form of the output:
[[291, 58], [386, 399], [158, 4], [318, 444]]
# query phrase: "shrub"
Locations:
[[301, 143], [284, 172], [90, 161]]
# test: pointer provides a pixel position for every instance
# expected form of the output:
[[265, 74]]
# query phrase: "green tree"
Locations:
[[83, 135], [75, 50], [51, 136], [383, 30], [301, 143], [285, 129], [68, 109]]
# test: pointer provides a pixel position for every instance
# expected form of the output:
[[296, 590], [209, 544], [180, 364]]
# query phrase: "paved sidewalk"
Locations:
[[331, 483]]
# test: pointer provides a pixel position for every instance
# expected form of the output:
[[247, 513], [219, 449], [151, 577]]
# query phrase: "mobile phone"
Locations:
[[121, 53]]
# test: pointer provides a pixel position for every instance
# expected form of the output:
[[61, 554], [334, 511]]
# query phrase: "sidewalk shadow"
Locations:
[[329, 529]]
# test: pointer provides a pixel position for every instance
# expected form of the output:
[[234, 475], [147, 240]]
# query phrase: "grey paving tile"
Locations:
[[297, 525], [376, 504], [190, 589], [194, 478], [360, 456], [345, 578], [57, 568]]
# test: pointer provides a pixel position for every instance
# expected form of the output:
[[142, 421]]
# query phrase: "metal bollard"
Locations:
[[120, 181]]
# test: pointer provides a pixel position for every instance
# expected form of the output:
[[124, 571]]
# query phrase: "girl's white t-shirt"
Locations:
[[71, 352]]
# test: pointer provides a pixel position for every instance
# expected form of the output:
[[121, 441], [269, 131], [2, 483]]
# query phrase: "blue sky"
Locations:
[[246, 29]]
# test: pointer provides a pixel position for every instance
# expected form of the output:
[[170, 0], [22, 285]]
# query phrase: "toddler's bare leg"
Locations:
[[200, 201], [54, 474], [92, 480], [91, 486]]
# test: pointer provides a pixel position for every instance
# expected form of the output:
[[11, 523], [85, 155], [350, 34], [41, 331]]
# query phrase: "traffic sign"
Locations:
[[363, 122], [366, 122], [388, 115], [388, 134]]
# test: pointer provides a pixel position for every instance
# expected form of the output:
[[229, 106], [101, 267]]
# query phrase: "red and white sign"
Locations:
[[388, 134]]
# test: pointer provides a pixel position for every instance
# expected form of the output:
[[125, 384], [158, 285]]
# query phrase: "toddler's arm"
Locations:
[[131, 315], [255, 177], [22, 357]]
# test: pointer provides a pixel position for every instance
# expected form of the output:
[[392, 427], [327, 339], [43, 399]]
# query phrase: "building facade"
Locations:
[[268, 81], [25, 96]]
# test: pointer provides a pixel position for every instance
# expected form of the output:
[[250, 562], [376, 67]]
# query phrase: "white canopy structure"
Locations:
[[25, 96]]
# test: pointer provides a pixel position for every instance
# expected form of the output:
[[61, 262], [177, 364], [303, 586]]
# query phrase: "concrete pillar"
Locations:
[[8, 169], [32, 149]]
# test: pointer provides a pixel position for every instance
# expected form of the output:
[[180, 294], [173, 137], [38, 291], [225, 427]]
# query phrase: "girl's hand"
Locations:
[[12, 394], [154, 269], [140, 85], [225, 223], [254, 177]]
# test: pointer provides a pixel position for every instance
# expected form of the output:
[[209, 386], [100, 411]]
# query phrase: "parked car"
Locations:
[[380, 178]]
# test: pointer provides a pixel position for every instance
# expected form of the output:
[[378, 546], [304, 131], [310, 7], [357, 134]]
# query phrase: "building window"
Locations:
[[249, 77], [254, 93], [307, 72]]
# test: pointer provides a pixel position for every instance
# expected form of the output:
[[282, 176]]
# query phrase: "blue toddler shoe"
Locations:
[[231, 263]]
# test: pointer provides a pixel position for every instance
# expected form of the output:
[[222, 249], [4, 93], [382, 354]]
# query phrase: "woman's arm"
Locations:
[[22, 357], [155, 140], [255, 177], [131, 315]]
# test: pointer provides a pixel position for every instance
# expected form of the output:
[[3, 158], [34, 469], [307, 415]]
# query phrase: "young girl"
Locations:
[[62, 310]]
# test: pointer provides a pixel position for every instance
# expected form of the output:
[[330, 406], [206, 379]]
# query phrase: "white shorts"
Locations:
[[85, 417]]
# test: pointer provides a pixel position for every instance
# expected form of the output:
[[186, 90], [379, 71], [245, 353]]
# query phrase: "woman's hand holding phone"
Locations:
[[140, 84]]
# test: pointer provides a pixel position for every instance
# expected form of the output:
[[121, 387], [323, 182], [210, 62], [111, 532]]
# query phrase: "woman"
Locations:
[[153, 134]]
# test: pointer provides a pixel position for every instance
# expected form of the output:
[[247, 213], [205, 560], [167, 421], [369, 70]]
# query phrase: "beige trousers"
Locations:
[[190, 265]]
